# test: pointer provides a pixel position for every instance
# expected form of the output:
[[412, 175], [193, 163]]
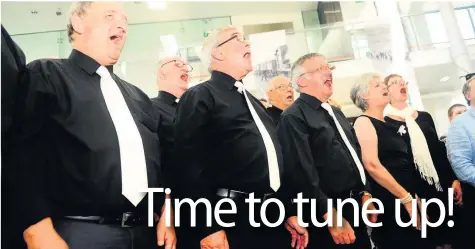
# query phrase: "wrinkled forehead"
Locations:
[[228, 33], [171, 58], [395, 79], [279, 81], [459, 109], [100, 8], [314, 62]]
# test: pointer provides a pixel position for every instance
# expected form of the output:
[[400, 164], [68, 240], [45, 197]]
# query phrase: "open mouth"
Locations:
[[289, 98], [403, 90], [385, 94], [116, 38], [184, 77]]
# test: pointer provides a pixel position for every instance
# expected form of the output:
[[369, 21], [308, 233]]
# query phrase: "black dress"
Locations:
[[438, 152], [394, 155]]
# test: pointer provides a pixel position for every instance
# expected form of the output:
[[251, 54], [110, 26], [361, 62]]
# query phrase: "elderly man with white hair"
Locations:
[[172, 81], [88, 145], [322, 157], [281, 95], [228, 149]]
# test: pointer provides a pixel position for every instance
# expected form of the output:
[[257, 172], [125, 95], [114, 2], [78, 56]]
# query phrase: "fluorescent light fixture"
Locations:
[[157, 4], [444, 79]]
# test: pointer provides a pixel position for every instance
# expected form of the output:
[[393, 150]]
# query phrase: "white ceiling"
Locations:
[[46, 18]]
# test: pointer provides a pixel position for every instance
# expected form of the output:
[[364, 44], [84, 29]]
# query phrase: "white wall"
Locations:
[[358, 11], [437, 105], [249, 19]]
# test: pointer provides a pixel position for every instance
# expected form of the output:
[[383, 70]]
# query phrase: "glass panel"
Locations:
[[465, 24], [39, 45], [65, 47], [310, 19], [146, 43]]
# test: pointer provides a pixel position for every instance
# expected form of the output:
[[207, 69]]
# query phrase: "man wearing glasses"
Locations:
[[281, 95], [322, 156], [461, 153], [172, 82], [228, 149]]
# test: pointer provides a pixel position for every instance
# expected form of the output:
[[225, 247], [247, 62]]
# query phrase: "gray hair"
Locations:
[[297, 70], [77, 8], [210, 43], [466, 89], [361, 86]]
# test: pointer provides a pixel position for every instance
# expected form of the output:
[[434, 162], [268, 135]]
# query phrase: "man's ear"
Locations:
[[77, 23], [300, 82], [161, 74], [364, 96], [217, 54]]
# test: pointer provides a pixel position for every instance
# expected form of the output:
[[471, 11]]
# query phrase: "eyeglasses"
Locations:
[[468, 76], [237, 37], [322, 68], [398, 82], [281, 87], [180, 64]]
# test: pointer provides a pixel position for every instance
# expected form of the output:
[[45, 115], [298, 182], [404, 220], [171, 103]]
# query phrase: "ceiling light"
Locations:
[[444, 79], [158, 4]]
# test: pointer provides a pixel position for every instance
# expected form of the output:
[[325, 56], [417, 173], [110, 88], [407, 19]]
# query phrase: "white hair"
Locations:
[[297, 70], [210, 43], [361, 86], [77, 8]]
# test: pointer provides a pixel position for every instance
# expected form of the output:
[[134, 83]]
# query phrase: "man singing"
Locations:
[[461, 153], [281, 95], [322, 154], [172, 83], [88, 144], [228, 148]]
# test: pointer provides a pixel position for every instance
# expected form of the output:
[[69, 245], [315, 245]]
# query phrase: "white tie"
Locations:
[[355, 157], [132, 156], [273, 164]]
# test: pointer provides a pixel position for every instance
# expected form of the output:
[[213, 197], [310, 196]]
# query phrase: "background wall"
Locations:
[[184, 25]]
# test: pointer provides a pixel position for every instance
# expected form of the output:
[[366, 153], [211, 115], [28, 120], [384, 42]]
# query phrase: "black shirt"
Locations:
[[13, 66], [436, 147], [275, 113], [219, 144], [68, 162], [166, 105], [317, 162]]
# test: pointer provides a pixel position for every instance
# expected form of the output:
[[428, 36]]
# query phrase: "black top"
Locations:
[[166, 106], [69, 161], [437, 148], [13, 66], [275, 113], [395, 156], [319, 164], [219, 144]]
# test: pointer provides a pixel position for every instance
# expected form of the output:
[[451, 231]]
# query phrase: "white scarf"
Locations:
[[420, 150]]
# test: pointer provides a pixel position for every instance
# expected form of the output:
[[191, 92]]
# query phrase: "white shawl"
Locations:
[[420, 150]]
